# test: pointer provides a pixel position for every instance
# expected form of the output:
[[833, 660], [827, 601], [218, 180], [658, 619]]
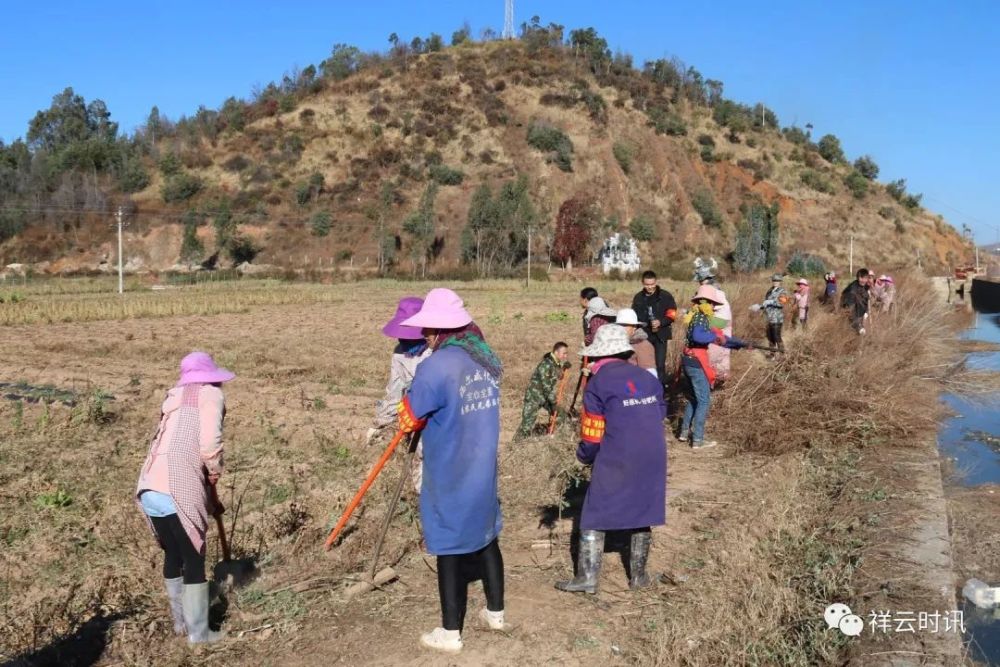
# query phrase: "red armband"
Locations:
[[591, 428], [408, 422], [672, 314]]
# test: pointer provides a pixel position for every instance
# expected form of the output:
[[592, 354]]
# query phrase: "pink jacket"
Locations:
[[211, 408]]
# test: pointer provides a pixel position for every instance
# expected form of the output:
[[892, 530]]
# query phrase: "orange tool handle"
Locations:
[[353, 505], [559, 394]]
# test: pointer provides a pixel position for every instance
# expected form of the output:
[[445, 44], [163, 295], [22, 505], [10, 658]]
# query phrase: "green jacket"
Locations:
[[545, 380]]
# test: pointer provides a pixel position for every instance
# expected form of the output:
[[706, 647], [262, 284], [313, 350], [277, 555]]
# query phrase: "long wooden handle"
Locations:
[[220, 524], [353, 505], [559, 395], [580, 382], [403, 475]]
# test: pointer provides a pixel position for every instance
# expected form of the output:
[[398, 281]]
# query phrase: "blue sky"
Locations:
[[916, 84]]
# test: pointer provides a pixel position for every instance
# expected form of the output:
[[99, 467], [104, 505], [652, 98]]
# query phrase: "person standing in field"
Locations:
[[718, 356], [598, 314], [888, 296], [773, 306], [622, 438], [184, 458], [411, 349], [542, 391], [454, 402], [696, 368], [586, 294], [645, 355], [657, 309], [829, 296], [855, 300], [801, 297]]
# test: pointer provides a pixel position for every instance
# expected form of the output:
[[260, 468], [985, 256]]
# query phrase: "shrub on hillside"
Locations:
[[320, 223], [704, 203], [817, 181], [666, 122], [236, 163], [133, 177], [866, 167], [242, 249], [554, 141], [180, 187], [169, 164], [623, 154], [796, 135], [829, 147], [804, 264], [642, 228], [446, 175], [857, 184]]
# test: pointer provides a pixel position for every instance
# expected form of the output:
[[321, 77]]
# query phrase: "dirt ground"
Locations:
[[80, 572]]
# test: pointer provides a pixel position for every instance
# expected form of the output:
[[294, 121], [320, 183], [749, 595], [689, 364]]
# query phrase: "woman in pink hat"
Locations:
[[801, 297], [411, 349], [185, 457], [455, 402]]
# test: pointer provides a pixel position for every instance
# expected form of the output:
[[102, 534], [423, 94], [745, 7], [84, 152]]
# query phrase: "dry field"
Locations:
[[762, 532]]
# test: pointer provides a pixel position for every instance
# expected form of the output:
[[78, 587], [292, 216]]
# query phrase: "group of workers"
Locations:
[[444, 383]]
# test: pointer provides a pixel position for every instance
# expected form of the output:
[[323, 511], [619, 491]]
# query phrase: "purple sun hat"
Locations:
[[407, 308], [199, 368]]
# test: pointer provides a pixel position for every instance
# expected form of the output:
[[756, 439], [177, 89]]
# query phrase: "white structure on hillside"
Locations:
[[620, 252]]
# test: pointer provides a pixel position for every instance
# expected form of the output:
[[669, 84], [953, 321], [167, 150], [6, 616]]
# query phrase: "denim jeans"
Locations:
[[698, 396]]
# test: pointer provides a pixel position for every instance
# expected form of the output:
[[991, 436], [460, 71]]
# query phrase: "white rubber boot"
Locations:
[[494, 620], [439, 639], [175, 593], [196, 614]]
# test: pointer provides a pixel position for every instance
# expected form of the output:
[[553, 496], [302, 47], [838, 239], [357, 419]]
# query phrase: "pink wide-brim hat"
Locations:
[[442, 309], [407, 308], [200, 368], [706, 292]]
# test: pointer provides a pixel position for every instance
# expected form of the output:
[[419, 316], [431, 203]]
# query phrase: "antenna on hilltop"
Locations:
[[508, 19]]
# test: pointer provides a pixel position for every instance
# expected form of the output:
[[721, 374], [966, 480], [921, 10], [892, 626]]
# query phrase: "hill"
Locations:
[[428, 157]]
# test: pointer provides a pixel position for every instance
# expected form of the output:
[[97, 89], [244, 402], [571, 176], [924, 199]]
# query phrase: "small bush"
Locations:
[[886, 212], [642, 228], [829, 147], [665, 122], [302, 193], [817, 181], [320, 223], [706, 140], [866, 167], [704, 203], [446, 175], [857, 184], [804, 264], [242, 249], [180, 187], [133, 178], [900, 227], [707, 154], [170, 164], [623, 154], [236, 163], [554, 141], [760, 170]]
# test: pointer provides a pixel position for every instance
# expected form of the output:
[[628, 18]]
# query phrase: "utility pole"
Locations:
[[852, 255], [121, 268], [528, 282]]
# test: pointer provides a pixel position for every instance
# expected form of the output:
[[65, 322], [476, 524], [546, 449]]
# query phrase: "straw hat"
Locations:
[[442, 309], [407, 308], [627, 316], [708, 293], [597, 306], [802, 281], [200, 368], [607, 341]]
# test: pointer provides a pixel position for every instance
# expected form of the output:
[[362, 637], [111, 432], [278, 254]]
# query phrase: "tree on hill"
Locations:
[[757, 238], [420, 225], [866, 167], [577, 219], [496, 234], [829, 147]]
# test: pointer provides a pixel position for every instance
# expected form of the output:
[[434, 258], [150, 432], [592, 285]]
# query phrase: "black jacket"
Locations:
[[654, 306], [855, 298]]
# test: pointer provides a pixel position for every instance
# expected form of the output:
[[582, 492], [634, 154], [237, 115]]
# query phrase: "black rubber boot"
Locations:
[[588, 567], [638, 556]]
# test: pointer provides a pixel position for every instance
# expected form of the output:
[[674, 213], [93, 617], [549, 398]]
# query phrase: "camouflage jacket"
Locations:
[[774, 305], [545, 381]]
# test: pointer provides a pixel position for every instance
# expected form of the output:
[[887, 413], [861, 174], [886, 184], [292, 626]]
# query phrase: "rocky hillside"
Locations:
[[331, 170]]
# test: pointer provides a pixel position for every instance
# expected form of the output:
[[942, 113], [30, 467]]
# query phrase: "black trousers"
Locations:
[[457, 571], [660, 352], [179, 555], [774, 335]]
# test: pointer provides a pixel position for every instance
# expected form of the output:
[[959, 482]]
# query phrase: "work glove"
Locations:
[[861, 331], [755, 308], [866, 316]]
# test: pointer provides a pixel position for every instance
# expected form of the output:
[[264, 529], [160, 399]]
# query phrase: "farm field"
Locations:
[[798, 508]]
